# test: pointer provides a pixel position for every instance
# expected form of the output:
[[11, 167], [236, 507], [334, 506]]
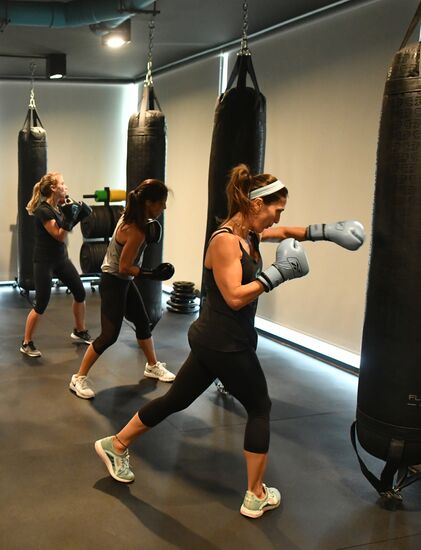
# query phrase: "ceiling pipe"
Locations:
[[75, 13]]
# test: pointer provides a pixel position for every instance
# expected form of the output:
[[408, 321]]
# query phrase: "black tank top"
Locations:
[[219, 327]]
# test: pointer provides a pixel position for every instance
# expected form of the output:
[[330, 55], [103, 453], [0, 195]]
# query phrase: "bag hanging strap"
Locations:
[[148, 101], [32, 119], [242, 67]]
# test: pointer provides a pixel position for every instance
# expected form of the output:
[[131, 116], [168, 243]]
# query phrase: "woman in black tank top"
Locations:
[[223, 339], [51, 259]]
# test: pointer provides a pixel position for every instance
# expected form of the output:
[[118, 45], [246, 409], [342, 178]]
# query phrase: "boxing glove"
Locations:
[[161, 273], [348, 234], [70, 211], [153, 231], [290, 263], [85, 211]]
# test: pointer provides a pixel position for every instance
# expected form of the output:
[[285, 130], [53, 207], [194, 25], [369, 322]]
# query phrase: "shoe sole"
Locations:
[[30, 354], [103, 456], [258, 513], [149, 375], [74, 390], [80, 340]]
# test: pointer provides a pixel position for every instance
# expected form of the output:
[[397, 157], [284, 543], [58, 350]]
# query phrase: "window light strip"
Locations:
[[308, 342]]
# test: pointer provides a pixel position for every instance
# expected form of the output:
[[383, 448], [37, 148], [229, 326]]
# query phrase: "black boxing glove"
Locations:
[[161, 273], [70, 211], [153, 232], [84, 212]]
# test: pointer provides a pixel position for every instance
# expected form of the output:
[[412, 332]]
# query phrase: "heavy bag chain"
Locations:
[[148, 78], [244, 48], [32, 105]]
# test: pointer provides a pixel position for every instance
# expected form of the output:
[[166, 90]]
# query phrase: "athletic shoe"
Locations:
[[159, 371], [117, 464], [80, 385], [254, 507], [30, 349], [81, 336]]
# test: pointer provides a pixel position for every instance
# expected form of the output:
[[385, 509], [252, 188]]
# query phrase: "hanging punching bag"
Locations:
[[388, 419], [239, 136], [146, 157], [32, 160]]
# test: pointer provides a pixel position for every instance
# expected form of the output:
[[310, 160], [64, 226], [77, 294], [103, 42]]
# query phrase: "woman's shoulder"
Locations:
[[44, 211], [131, 231]]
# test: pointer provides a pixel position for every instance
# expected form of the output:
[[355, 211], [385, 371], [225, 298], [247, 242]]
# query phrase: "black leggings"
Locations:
[[120, 298], [43, 276], [241, 374]]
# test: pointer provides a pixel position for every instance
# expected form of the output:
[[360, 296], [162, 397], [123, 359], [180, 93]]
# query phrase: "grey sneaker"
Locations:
[[81, 336], [159, 372], [80, 385], [30, 349], [254, 507], [117, 465]]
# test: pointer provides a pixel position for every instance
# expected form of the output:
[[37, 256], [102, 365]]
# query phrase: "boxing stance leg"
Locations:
[[136, 313], [43, 274], [113, 293], [68, 275], [190, 382]]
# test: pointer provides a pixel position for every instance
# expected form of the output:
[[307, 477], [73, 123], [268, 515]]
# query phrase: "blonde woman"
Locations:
[[51, 259]]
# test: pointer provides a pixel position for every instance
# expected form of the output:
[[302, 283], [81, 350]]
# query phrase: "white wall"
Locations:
[[86, 136], [323, 81]]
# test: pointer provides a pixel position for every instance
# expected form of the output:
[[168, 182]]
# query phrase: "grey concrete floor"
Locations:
[[190, 475]]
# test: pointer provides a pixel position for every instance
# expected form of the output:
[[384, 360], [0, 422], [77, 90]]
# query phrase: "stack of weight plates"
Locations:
[[182, 298]]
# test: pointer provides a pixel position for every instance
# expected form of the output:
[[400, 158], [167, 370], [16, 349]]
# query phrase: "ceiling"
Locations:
[[183, 29]]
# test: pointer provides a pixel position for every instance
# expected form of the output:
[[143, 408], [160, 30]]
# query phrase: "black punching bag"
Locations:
[[32, 160], [239, 136], [146, 157], [388, 421]]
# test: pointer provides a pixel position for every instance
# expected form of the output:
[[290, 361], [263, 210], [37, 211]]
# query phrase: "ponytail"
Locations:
[[241, 183], [148, 190], [41, 191]]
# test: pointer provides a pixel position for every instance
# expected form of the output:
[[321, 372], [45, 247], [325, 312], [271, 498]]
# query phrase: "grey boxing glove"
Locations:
[[348, 234], [290, 263]]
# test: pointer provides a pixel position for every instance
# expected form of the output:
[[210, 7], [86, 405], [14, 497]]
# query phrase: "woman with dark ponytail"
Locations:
[[120, 297]]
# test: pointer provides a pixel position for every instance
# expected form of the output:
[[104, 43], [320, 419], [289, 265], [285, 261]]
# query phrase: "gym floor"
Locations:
[[190, 475]]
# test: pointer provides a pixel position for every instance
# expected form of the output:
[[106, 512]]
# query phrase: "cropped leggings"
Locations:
[[242, 376], [120, 298], [43, 276]]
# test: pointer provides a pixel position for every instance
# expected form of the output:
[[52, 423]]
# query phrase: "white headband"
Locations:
[[266, 190]]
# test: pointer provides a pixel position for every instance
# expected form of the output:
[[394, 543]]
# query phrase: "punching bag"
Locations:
[[388, 418], [239, 136], [146, 157], [32, 160]]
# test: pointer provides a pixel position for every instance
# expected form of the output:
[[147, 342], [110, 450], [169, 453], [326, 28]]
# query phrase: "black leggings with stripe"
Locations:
[[241, 374], [120, 298]]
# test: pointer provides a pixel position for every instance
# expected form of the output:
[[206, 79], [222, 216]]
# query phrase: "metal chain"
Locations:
[[244, 48], [32, 67], [148, 78]]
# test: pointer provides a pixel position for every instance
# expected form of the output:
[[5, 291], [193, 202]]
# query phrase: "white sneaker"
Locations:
[[159, 371], [254, 507], [80, 385]]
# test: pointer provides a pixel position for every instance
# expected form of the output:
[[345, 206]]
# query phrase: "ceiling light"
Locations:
[[56, 65], [117, 37]]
